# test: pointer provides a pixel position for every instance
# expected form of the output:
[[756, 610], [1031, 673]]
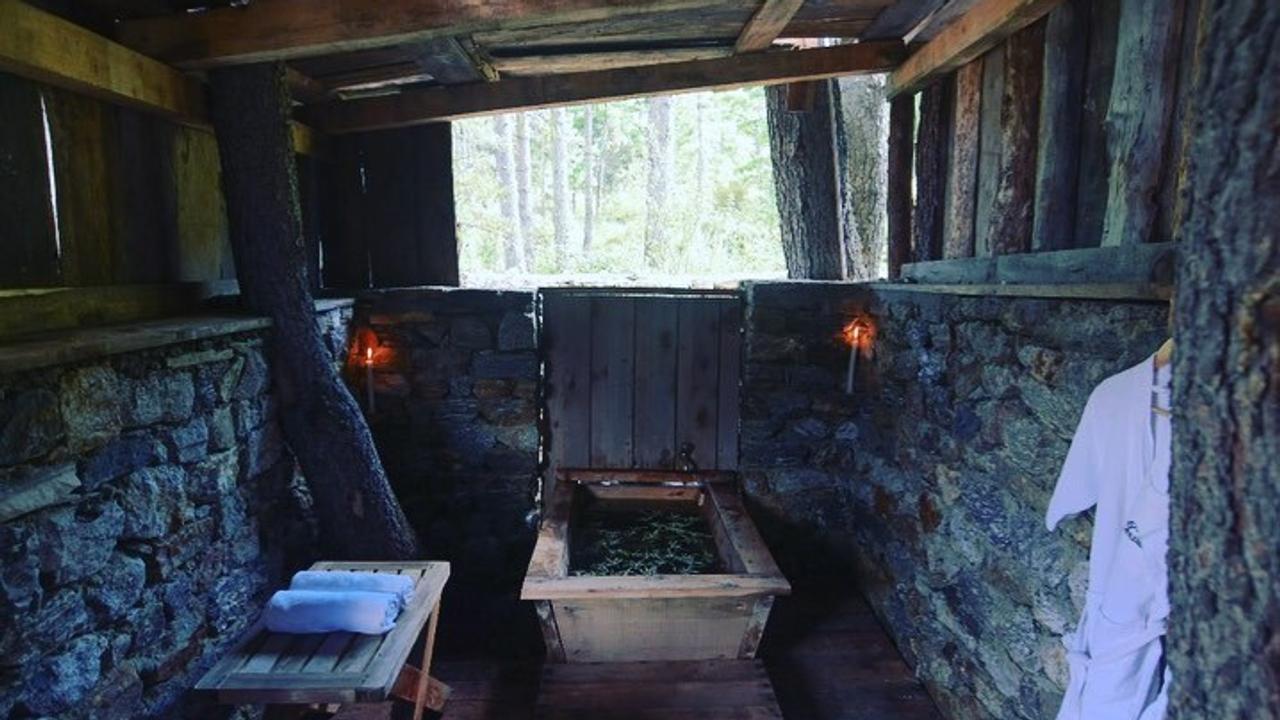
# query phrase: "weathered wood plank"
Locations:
[[1011, 216], [1144, 263], [433, 104], [697, 384], [596, 475], [1173, 198], [902, 119], [79, 127], [729, 405], [45, 47], [286, 29], [1139, 116], [982, 27], [656, 333], [931, 171], [572, 62], [989, 147], [1066, 55], [28, 240], [612, 382], [766, 25], [653, 586], [1094, 163], [962, 170], [898, 19], [568, 387]]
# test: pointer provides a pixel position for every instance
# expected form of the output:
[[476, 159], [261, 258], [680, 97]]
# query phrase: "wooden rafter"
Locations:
[[285, 29], [414, 107], [766, 25], [44, 47], [984, 26]]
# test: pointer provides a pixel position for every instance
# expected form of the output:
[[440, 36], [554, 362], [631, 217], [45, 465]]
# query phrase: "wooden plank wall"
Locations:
[[138, 196], [391, 216], [1069, 134], [633, 376]]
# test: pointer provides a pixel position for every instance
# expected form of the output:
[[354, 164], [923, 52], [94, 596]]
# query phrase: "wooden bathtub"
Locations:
[[594, 618]]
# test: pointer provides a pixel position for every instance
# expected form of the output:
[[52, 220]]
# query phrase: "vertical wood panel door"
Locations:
[[632, 376]]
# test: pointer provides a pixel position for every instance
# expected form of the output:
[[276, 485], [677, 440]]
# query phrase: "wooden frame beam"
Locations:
[[284, 29], [766, 25], [970, 35], [43, 47], [415, 107]]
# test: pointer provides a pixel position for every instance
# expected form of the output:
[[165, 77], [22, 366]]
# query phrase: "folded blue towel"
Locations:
[[399, 585], [322, 611]]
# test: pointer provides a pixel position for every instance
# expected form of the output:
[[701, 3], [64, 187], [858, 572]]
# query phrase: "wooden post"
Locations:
[[1139, 116], [1066, 50], [962, 169], [931, 171], [1223, 492], [322, 422], [902, 119], [1094, 165], [989, 141], [1011, 216]]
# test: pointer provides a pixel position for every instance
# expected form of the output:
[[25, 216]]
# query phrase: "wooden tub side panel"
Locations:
[[611, 630]]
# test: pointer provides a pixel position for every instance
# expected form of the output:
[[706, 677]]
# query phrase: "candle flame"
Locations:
[[368, 355], [855, 331]]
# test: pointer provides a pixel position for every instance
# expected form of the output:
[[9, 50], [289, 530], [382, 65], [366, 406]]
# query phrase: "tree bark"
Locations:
[[324, 426], [1066, 58], [1224, 568], [1139, 117], [1013, 206], [931, 171], [504, 165], [962, 169], [661, 160], [560, 184], [902, 120], [804, 177], [862, 132]]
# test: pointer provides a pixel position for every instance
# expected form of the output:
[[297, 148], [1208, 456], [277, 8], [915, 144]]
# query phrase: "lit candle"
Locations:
[[854, 341], [368, 376]]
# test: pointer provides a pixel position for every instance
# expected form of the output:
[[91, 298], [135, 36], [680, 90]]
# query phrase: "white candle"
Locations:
[[854, 342], [368, 377]]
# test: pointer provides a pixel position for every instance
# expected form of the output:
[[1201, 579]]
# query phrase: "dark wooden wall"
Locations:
[[388, 196], [630, 377], [1070, 134], [138, 199]]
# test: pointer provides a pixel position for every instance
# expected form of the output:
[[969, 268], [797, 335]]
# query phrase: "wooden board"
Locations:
[[989, 148], [1122, 264], [1094, 166], [931, 170], [707, 690], [281, 668], [768, 22], [656, 328], [412, 107], [962, 167], [634, 374], [1066, 54], [902, 120], [1014, 202], [28, 244]]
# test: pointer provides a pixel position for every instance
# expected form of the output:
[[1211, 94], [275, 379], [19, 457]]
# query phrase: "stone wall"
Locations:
[[456, 422], [147, 507], [932, 479]]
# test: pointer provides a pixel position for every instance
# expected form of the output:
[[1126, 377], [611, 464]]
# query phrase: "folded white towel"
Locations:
[[399, 585], [322, 611]]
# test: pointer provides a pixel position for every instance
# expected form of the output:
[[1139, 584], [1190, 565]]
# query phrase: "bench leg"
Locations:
[[428, 648]]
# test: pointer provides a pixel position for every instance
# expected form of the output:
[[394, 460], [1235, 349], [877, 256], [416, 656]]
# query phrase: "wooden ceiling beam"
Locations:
[[286, 29], [415, 107], [968, 36], [766, 25], [43, 47]]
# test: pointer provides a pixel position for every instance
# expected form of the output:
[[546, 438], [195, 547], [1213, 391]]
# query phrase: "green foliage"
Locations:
[[721, 220], [646, 543]]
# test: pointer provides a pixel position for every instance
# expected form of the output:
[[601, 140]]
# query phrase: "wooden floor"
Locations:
[[827, 657]]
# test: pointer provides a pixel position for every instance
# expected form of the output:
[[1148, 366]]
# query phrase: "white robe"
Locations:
[[1119, 461]]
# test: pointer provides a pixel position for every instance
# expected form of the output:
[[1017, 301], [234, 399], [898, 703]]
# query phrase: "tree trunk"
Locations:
[[524, 188], [862, 136], [902, 120], [560, 184], [1014, 202], [324, 426], [931, 171], [504, 165], [661, 160], [588, 180], [1066, 58], [804, 177], [1224, 570]]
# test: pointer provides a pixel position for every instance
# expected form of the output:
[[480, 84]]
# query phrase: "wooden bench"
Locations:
[[291, 672]]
